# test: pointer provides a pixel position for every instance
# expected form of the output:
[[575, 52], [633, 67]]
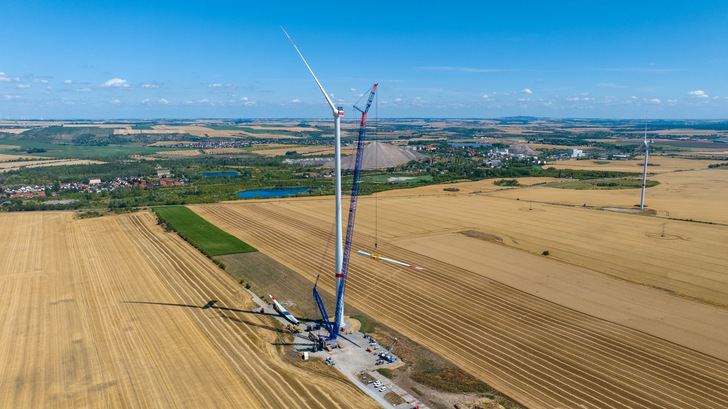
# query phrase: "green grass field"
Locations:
[[200, 232], [143, 127]]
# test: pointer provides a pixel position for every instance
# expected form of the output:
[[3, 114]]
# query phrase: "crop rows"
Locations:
[[539, 353], [107, 312]]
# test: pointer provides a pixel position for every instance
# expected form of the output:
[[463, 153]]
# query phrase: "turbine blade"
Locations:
[[378, 257], [331, 104]]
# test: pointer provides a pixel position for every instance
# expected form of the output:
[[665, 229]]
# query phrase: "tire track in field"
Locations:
[[212, 286], [256, 225]]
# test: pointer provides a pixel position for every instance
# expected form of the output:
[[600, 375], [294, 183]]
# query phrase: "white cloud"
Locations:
[[244, 98], [68, 82], [116, 83], [352, 89], [486, 96], [218, 85], [526, 91], [163, 101], [398, 100], [296, 101], [4, 77], [84, 90], [655, 100], [249, 103], [671, 101], [23, 86], [698, 93], [146, 101], [202, 101], [40, 81], [115, 101], [150, 85]]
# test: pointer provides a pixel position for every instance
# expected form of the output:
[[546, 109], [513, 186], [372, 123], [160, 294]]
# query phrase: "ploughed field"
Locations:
[[527, 339], [114, 312]]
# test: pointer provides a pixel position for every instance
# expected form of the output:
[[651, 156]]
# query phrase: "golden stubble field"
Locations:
[[660, 164], [7, 158], [181, 152], [107, 312], [548, 331], [42, 162], [699, 195]]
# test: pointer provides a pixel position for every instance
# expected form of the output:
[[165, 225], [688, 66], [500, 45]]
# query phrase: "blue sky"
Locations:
[[467, 59]]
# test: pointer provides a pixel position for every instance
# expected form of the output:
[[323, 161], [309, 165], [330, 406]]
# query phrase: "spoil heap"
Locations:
[[521, 148], [379, 155]]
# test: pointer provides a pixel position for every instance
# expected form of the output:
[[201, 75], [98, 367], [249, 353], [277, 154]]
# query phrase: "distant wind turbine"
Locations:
[[644, 174]]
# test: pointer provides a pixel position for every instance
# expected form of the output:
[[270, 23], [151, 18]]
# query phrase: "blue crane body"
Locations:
[[333, 329]]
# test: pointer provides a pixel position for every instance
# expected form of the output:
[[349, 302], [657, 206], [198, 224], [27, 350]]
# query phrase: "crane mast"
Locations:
[[334, 328], [352, 209]]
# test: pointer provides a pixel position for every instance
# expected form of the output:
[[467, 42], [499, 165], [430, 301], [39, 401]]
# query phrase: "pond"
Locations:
[[263, 193], [219, 174]]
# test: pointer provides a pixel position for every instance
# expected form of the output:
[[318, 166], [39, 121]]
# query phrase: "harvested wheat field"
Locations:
[[305, 150], [218, 151], [182, 152], [614, 344], [464, 188], [7, 158], [107, 312], [699, 195], [7, 166], [657, 164]]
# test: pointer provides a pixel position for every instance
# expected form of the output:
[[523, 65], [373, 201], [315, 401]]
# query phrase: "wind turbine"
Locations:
[[338, 113], [644, 174]]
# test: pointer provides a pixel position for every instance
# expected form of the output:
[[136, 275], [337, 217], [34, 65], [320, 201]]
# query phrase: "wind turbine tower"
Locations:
[[338, 113], [644, 174]]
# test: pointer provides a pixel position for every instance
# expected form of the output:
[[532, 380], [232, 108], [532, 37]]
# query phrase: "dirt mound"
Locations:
[[480, 235], [521, 148], [379, 155], [483, 403]]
